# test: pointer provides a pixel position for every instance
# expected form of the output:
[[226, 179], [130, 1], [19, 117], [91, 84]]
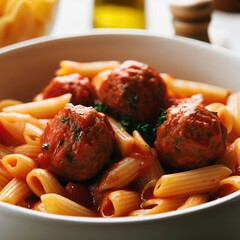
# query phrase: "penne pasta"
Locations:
[[8, 102], [144, 183], [158, 205], [231, 156], [233, 102], [195, 200], [120, 174], [18, 165], [39, 207], [119, 203], [99, 79], [123, 139], [191, 182], [15, 191], [14, 126], [127, 177], [184, 89], [57, 204], [226, 186], [5, 176], [42, 181], [237, 150], [47, 108], [140, 142], [5, 150], [223, 113], [31, 151], [86, 69], [32, 134]]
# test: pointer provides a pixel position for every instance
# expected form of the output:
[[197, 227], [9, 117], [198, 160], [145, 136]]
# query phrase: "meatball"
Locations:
[[80, 87], [134, 90], [77, 143], [190, 137]]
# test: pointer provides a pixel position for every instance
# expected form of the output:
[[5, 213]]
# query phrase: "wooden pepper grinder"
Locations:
[[191, 18]]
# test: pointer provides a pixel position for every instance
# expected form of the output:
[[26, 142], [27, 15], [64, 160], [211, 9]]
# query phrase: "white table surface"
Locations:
[[75, 17]]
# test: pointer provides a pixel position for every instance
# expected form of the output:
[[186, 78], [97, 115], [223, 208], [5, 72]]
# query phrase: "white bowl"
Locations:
[[25, 68]]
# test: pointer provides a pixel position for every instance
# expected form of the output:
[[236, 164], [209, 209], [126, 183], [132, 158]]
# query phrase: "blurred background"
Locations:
[[214, 21]]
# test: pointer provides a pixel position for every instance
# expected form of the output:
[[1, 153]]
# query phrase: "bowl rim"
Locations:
[[118, 32], [41, 216], [130, 219]]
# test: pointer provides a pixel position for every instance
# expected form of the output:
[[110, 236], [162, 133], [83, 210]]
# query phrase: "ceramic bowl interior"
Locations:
[[25, 68]]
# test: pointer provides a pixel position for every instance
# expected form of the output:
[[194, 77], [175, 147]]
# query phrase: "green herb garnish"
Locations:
[[64, 120], [100, 107], [215, 113], [162, 118]]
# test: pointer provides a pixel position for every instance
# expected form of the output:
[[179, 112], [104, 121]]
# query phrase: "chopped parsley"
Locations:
[[177, 143], [162, 118], [100, 107], [132, 100], [127, 123], [64, 120], [76, 129], [147, 130], [215, 113]]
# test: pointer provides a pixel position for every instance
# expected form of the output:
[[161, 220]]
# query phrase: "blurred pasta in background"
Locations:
[[25, 19]]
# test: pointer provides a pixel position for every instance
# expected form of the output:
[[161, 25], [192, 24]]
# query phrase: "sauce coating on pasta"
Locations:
[[115, 139]]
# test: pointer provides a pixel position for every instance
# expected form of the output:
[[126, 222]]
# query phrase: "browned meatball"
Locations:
[[80, 87], [77, 143], [191, 137], [134, 90]]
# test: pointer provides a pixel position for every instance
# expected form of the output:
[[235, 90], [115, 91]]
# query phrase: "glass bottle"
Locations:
[[119, 14]]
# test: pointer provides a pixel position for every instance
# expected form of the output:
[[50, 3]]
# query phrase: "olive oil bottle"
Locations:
[[119, 14]]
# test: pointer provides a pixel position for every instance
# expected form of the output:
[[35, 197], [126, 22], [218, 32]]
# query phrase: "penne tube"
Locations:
[[14, 125], [119, 203], [99, 79], [195, 200], [8, 102], [191, 182], [86, 69], [223, 113], [123, 139], [13, 129], [233, 103], [5, 150], [147, 190], [39, 207], [5, 176], [43, 123], [184, 89], [31, 151], [140, 142], [18, 165], [237, 150], [120, 174], [42, 181], [227, 186], [231, 156], [152, 174], [57, 204], [47, 108], [32, 134], [15, 191], [158, 205]]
